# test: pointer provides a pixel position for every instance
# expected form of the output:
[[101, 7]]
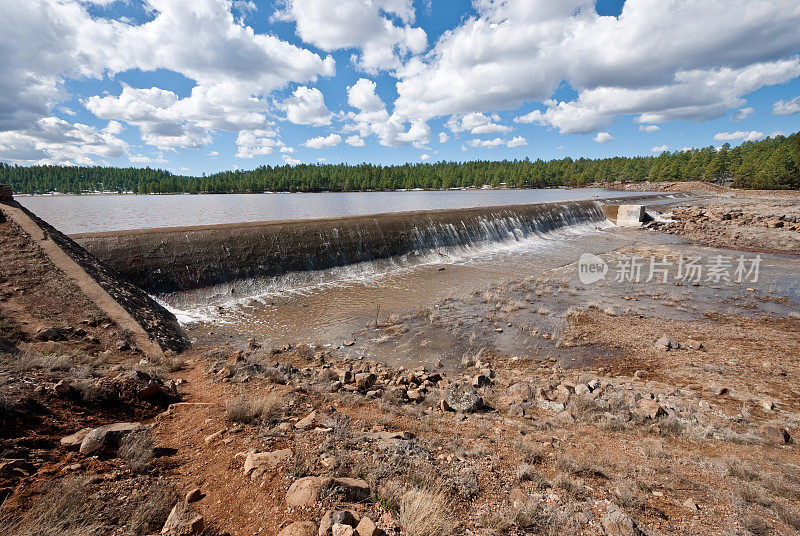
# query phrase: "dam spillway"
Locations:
[[167, 260]]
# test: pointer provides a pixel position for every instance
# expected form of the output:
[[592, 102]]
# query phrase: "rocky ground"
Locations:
[[557, 408], [745, 224]]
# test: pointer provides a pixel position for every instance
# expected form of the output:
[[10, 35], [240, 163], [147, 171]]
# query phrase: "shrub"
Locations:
[[423, 513], [246, 410], [62, 509], [136, 449]]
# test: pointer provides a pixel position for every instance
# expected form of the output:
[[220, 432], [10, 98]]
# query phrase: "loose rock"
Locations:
[[106, 439], [367, 527], [306, 491], [258, 463], [463, 400], [183, 520], [775, 434]]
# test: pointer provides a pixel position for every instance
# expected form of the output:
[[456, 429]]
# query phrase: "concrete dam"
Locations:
[[167, 260]]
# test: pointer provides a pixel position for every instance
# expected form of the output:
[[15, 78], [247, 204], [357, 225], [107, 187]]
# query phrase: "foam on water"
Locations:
[[501, 237]]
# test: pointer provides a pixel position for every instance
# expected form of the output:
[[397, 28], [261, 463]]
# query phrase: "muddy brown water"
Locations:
[[329, 307]]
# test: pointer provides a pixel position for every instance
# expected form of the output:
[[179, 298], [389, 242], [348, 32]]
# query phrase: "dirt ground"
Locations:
[[605, 408]]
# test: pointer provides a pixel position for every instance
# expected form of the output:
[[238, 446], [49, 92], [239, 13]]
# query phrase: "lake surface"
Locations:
[[113, 212]]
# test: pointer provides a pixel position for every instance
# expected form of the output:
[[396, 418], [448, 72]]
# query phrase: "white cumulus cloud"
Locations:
[[659, 149], [355, 141], [254, 143], [518, 141], [603, 137], [373, 118], [324, 142], [306, 106], [233, 68], [477, 123], [659, 61], [358, 24], [752, 135], [786, 107]]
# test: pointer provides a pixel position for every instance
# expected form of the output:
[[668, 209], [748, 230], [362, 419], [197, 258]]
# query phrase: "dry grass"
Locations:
[[528, 473], [149, 515], [64, 509], [573, 486], [755, 524], [169, 363], [136, 449], [423, 513], [245, 410]]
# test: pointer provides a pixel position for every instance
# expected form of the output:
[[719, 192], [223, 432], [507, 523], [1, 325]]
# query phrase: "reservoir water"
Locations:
[[337, 303], [113, 212]]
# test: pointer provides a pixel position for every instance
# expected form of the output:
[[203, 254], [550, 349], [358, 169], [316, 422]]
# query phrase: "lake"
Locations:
[[114, 212]]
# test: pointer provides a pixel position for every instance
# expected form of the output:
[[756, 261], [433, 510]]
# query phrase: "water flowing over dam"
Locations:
[[168, 260]]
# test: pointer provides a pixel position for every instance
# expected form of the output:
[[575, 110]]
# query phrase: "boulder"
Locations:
[[367, 527], [692, 344], [106, 439], [63, 388], [415, 395], [775, 434], [52, 334], [307, 491], [649, 409], [365, 380], [667, 343], [327, 375], [463, 399], [150, 390], [194, 495], [299, 528], [183, 520], [518, 393], [258, 463], [618, 523], [73, 441], [139, 384], [342, 530], [335, 517], [6, 194], [307, 422], [481, 380]]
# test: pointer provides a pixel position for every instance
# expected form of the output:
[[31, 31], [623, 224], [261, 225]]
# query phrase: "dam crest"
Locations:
[[180, 259]]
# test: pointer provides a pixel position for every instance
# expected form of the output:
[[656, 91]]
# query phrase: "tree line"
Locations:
[[773, 163]]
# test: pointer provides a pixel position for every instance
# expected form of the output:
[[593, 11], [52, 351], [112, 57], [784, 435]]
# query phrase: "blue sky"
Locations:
[[199, 86]]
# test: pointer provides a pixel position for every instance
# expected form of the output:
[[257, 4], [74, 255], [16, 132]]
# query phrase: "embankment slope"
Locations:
[[153, 327]]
